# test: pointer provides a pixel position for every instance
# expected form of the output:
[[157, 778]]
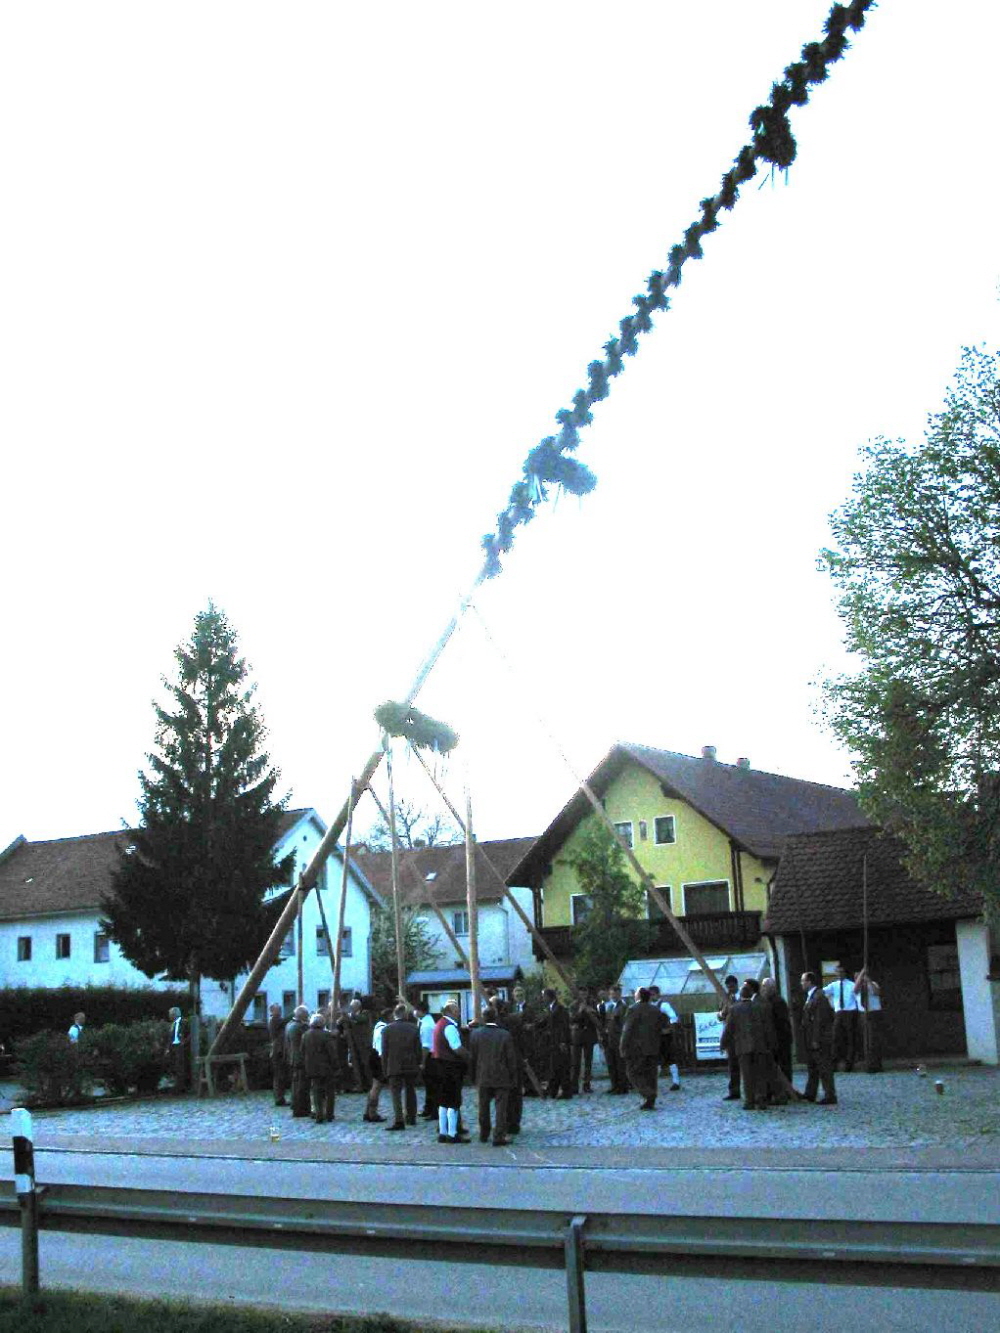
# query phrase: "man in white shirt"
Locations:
[[425, 1027], [667, 1038], [842, 996], [76, 1027]]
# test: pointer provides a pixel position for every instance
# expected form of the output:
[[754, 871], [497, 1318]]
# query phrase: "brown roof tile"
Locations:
[[820, 882], [446, 865]]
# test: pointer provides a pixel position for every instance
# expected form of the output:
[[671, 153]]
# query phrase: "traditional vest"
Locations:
[[439, 1044]]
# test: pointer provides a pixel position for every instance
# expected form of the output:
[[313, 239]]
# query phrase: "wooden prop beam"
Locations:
[[338, 944], [472, 906], [409, 864], [397, 911], [271, 949], [532, 929]]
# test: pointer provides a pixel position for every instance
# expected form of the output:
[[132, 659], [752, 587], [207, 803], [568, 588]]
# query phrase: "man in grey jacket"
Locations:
[[640, 1047], [401, 1057], [294, 1032]]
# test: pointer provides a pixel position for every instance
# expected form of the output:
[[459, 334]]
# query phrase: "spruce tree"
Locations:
[[188, 895]]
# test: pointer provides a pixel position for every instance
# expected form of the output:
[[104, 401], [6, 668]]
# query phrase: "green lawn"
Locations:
[[74, 1312]]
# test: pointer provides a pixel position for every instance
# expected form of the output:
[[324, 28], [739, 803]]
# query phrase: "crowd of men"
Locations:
[[547, 1049]]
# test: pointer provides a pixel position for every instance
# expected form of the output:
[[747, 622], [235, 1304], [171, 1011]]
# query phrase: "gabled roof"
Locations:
[[820, 885], [758, 810], [71, 874], [442, 871]]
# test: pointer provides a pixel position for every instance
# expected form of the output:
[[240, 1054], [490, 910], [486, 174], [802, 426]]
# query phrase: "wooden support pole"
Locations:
[[644, 877], [299, 970], [472, 904], [397, 910], [270, 951], [526, 920], [338, 943]]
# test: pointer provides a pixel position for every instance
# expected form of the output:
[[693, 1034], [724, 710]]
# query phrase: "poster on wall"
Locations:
[[707, 1035]]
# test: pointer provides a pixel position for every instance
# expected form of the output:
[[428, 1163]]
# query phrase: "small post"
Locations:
[[27, 1197], [574, 1276]]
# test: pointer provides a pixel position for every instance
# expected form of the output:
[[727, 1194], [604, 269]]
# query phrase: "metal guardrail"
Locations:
[[898, 1254]]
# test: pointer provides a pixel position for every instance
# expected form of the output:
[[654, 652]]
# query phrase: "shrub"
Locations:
[[52, 1069], [28, 1009], [127, 1056]]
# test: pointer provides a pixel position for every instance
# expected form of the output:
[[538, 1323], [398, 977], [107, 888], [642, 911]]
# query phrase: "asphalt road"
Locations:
[[512, 1298]]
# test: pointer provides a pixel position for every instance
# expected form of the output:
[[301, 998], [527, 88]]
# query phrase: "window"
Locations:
[[322, 999], [62, 946], [664, 830], [460, 923], [580, 905], [653, 910], [24, 948], [322, 944], [643, 830], [624, 832], [706, 899], [347, 943], [259, 1014], [288, 1002], [287, 949], [943, 976], [101, 947]]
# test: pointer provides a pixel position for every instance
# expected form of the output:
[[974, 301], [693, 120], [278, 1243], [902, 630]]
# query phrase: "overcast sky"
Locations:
[[287, 293]]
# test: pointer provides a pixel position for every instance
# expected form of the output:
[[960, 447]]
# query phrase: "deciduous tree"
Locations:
[[612, 931]]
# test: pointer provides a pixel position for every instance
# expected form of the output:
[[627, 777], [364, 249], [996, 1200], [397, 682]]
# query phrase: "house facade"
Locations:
[[51, 935], [438, 875], [710, 834]]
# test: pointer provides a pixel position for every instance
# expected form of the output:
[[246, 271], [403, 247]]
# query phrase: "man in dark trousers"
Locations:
[[584, 1029], [320, 1066], [514, 1024], [746, 1035], [294, 1032], [615, 1010], [640, 1047], [279, 1070], [732, 1061], [493, 1068], [401, 1058], [555, 1025], [177, 1050], [782, 1022], [817, 1038], [844, 999]]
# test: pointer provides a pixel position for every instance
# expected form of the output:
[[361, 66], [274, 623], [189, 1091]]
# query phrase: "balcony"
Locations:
[[717, 932]]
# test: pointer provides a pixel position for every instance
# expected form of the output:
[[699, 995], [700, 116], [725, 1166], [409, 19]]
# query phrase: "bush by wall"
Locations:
[[25, 1010], [126, 1057], [52, 1069]]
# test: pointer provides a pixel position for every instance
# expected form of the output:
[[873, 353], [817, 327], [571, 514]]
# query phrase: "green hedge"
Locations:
[[52, 1070], [25, 1010]]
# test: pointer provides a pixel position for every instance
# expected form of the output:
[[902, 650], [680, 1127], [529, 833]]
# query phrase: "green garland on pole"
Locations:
[[424, 732], [548, 464]]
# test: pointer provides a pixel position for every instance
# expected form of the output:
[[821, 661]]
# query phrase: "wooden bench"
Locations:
[[208, 1064]]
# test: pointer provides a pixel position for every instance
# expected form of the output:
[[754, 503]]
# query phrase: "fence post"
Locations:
[[574, 1276], [27, 1197]]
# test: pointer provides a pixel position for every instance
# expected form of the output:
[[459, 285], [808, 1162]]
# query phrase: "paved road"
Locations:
[[512, 1298]]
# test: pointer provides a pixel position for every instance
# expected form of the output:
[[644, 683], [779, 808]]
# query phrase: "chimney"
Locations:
[[708, 752], [743, 762]]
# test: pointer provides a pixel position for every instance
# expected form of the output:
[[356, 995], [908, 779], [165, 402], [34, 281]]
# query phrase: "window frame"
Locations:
[[620, 826], [24, 948], [347, 942], [63, 946], [287, 949], [322, 943], [457, 914], [258, 1007], [664, 842], [667, 892], [573, 916], [943, 999], [706, 884], [102, 943]]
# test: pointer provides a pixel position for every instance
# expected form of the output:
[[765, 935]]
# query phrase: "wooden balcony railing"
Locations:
[[731, 932]]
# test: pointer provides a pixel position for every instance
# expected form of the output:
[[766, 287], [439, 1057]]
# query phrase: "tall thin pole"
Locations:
[[300, 950], [472, 904], [396, 907], [339, 942], [866, 992]]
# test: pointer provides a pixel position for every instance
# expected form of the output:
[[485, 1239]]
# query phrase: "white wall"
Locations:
[[79, 969], [503, 936], [977, 998]]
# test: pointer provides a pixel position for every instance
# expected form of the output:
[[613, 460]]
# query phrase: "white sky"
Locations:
[[287, 293]]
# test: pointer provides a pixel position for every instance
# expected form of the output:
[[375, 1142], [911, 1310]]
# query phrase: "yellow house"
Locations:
[[709, 834]]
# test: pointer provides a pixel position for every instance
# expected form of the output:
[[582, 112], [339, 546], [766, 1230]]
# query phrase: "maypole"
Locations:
[[549, 463]]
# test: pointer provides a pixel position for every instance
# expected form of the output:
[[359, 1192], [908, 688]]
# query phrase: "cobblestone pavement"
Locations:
[[896, 1109]]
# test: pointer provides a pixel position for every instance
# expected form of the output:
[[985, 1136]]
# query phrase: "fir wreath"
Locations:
[[423, 732], [774, 143]]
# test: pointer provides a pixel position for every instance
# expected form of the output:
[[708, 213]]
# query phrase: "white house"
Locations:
[[50, 927], [503, 939]]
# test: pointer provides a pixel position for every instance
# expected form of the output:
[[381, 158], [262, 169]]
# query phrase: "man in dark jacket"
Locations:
[[746, 1034], [514, 1024], [732, 991], [782, 1024], [320, 1065], [493, 1068], [584, 1030], [555, 1026], [294, 1031], [279, 1070], [615, 1010], [401, 1059], [817, 1038], [640, 1047]]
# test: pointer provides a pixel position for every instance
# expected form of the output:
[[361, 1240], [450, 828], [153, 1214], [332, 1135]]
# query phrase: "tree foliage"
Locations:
[[613, 930], [419, 952], [917, 568], [188, 894]]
